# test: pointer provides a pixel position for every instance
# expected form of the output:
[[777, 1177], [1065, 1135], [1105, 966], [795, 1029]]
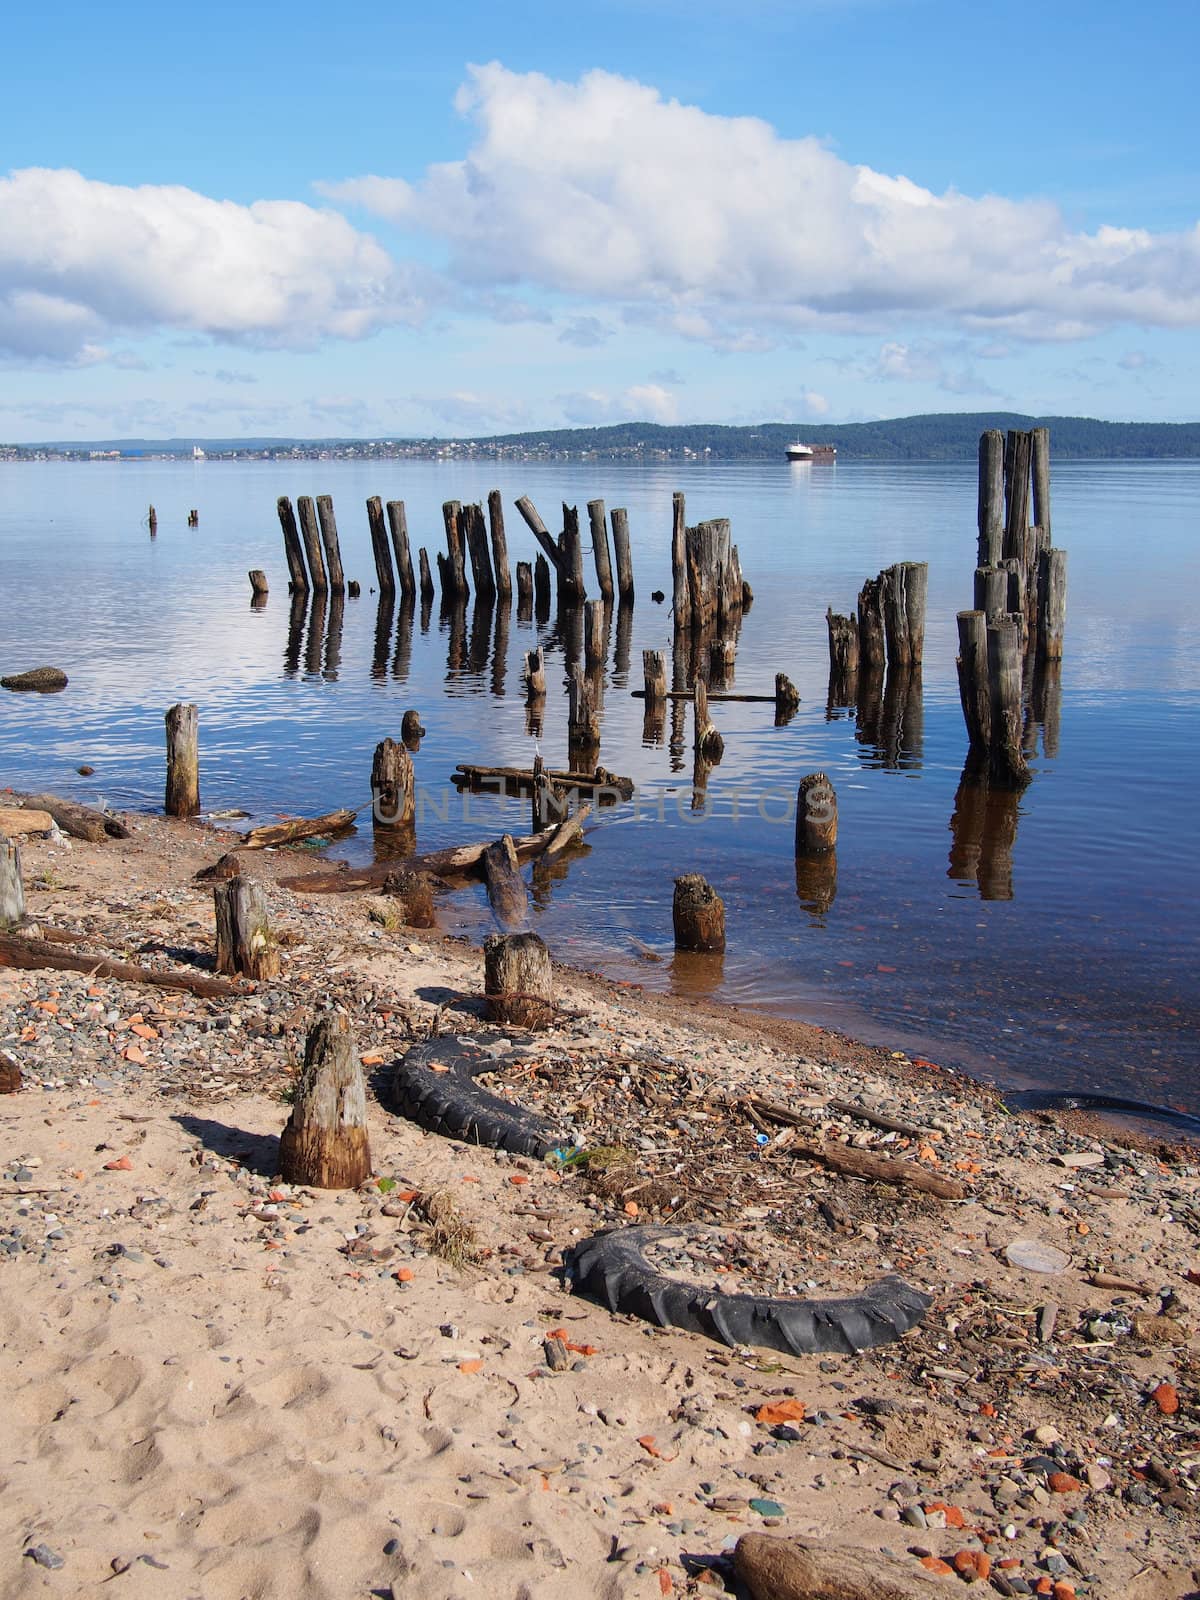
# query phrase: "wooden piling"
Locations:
[[1006, 760], [991, 590], [973, 690], [499, 544], [872, 650], [991, 498], [535, 674], [311, 537], [707, 742], [411, 730], [524, 591], [152, 519], [245, 943], [698, 915], [680, 589], [621, 551], [398, 528], [292, 548], [1041, 482], [594, 641], [258, 582], [583, 719], [816, 815], [427, 590], [380, 547], [722, 655], [476, 536], [1017, 463], [507, 894], [518, 982], [183, 761], [571, 590], [324, 1145], [12, 888], [329, 540], [843, 643], [393, 801], [597, 520], [905, 588], [454, 579], [654, 666], [787, 696], [541, 588], [1052, 604]]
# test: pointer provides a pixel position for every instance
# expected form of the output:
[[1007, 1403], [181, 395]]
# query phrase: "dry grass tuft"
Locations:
[[449, 1234]]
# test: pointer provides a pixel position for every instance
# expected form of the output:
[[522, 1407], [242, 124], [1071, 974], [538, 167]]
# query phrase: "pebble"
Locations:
[[45, 1557]]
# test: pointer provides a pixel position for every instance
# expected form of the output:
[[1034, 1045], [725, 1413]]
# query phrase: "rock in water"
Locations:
[[48, 680]]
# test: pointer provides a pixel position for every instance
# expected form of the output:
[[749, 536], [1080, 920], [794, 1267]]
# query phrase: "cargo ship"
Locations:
[[811, 452]]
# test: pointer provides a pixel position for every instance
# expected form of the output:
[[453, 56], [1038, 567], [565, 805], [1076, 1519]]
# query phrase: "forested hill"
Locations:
[[943, 436]]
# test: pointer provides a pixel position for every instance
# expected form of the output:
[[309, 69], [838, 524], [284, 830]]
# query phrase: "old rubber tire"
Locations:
[[1081, 1100], [434, 1086], [612, 1267]]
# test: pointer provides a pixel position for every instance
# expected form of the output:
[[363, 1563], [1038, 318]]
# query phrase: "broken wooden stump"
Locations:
[[324, 1145], [843, 643], [393, 798], [411, 730], [816, 815], [475, 535], [427, 589], [454, 572], [414, 893], [654, 668], [183, 762], [787, 699], [595, 642], [681, 604], [991, 498], [583, 716], [541, 588], [518, 983], [245, 943], [524, 591], [1052, 603], [12, 889], [1006, 759], [698, 914], [535, 674], [708, 743], [258, 581], [597, 521], [10, 1074], [380, 547], [152, 519], [872, 648], [506, 889], [620, 533], [905, 589]]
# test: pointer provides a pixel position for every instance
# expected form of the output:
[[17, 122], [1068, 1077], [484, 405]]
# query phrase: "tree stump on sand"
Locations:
[[12, 891], [698, 913], [183, 761], [245, 943], [415, 893], [518, 984], [324, 1145]]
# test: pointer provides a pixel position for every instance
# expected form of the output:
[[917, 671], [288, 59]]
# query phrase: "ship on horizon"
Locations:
[[811, 452]]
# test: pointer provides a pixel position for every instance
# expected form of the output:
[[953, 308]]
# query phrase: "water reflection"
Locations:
[[816, 883], [623, 644], [384, 611], [889, 717], [333, 644], [295, 635], [500, 647], [316, 634], [984, 831], [695, 975], [402, 659]]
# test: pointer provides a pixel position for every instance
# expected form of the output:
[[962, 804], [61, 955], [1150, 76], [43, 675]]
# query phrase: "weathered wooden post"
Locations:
[[1006, 759], [524, 591], [722, 656], [597, 520], [624, 558], [292, 548], [541, 588], [816, 815], [905, 586], [680, 591], [311, 536], [518, 981], [1041, 481], [393, 801], [380, 548], [258, 582], [475, 530], [872, 652], [506, 889], [329, 540], [12, 889], [698, 914], [153, 521], [499, 544], [324, 1145], [1018, 454], [571, 591], [1052, 604], [654, 666], [973, 688], [708, 743], [427, 590], [991, 590], [787, 699], [535, 674], [245, 944], [398, 528], [411, 730], [183, 761], [843, 643], [593, 633], [454, 580], [583, 721], [991, 498]]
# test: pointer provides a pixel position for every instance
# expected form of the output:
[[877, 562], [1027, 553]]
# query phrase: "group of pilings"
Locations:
[[888, 629], [1013, 637], [564, 555]]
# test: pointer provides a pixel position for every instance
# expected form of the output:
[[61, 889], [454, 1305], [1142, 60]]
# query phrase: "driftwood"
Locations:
[[505, 886], [460, 861], [81, 822], [468, 773], [878, 1169], [12, 890], [277, 833], [30, 955], [16, 820]]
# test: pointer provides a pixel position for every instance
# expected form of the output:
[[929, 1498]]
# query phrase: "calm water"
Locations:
[[1053, 940]]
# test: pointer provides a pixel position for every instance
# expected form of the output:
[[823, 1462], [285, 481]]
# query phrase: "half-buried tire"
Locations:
[[612, 1268], [434, 1086]]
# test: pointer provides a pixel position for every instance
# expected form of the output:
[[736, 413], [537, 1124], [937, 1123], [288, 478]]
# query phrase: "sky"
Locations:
[[388, 221]]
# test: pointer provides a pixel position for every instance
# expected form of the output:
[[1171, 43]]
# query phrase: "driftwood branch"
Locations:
[[81, 822], [29, 955], [277, 833]]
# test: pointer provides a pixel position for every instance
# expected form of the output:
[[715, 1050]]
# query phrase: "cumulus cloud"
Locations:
[[928, 361], [642, 402], [80, 260], [586, 333], [606, 189]]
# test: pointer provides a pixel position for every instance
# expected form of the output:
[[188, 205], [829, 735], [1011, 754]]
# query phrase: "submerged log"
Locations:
[[29, 955], [245, 943], [183, 762], [324, 1145], [274, 834], [505, 887], [12, 889], [518, 982], [600, 779], [698, 915]]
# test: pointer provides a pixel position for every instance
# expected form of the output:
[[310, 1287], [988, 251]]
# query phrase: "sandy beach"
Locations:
[[230, 1388]]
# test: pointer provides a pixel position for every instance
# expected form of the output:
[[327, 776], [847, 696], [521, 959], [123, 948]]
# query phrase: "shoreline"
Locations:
[[350, 1420]]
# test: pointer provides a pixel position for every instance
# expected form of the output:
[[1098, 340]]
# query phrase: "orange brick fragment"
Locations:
[[773, 1412], [1063, 1483], [470, 1366], [976, 1562], [937, 1565], [1166, 1398], [121, 1164]]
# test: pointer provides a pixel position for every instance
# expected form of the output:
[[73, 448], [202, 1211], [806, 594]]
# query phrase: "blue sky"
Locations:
[[368, 220]]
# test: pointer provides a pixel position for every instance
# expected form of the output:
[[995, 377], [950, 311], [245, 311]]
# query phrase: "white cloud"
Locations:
[[814, 404], [603, 188], [945, 365], [81, 259], [642, 402]]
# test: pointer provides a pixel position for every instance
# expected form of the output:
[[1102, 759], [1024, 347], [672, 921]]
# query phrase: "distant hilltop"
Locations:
[[940, 436]]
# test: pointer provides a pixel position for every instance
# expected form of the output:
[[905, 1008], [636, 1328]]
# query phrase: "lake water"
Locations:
[[1051, 942]]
